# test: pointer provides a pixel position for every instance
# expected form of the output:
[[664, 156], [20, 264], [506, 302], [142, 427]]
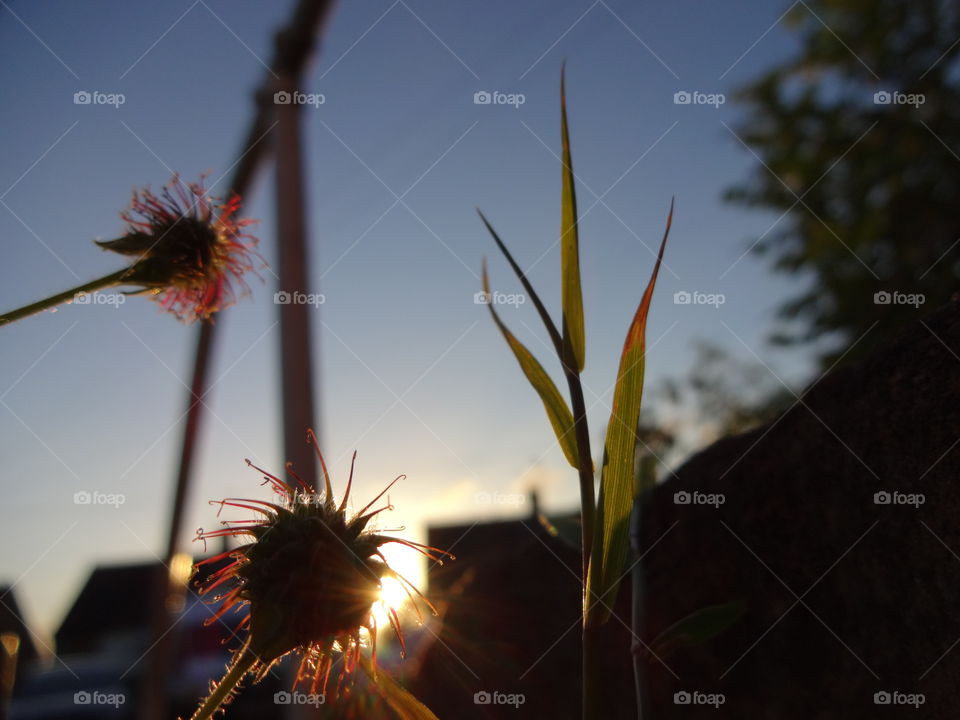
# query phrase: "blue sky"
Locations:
[[411, 372]]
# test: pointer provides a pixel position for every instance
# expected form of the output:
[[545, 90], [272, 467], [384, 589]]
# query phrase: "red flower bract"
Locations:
[[309, 577], [192, 252]]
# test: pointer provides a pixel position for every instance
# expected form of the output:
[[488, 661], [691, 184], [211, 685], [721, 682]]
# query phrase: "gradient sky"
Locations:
[[412, 373]]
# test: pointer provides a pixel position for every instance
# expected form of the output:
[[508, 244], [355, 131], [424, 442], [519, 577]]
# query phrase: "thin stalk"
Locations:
[[111, 280], [241, 665], [588, 503], [593, 681], [587, 494], [578, 406]]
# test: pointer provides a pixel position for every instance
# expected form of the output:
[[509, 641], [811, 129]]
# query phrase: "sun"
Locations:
[[392, 595]]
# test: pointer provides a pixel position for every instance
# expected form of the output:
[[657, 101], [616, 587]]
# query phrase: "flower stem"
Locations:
[[242, 663], [115, 278]]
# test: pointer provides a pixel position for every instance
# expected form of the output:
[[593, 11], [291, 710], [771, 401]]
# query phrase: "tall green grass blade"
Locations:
[[572, 293], [611, 539]]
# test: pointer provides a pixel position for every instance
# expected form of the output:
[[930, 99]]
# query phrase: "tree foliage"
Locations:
[[867, 189]]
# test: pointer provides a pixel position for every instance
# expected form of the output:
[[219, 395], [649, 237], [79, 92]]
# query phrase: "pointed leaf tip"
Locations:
[[571, 289]]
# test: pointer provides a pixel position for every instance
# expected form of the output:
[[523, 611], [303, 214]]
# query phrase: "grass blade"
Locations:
[[561, 419], [541, 310], [572, 293], [400, 700], [696, 628], [617, 479]]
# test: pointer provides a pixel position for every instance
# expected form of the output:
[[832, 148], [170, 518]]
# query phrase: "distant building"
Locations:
[[102, 646], [511, 607], [112, 607]]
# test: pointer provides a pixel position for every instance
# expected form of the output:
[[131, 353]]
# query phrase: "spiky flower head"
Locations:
[[192, 252], [308, 576]]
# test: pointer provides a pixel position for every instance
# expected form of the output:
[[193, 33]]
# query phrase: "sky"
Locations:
[[410, 371]]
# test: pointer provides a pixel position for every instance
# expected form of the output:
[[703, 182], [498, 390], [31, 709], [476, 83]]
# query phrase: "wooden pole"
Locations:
[[168, 594]]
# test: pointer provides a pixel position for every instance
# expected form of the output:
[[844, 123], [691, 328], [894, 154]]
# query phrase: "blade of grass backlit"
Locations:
[[611, 540], [572, 293], [537, 303], [405, 705], [561, 419]]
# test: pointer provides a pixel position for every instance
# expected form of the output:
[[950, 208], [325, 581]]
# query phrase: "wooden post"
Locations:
[[290, 58]]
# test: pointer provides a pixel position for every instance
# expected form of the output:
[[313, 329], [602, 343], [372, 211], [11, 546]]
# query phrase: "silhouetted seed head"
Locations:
[[309, 576], [192, 252]]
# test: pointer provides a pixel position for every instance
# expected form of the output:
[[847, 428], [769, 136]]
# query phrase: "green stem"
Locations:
[[585, 471], [593, 681], [116, 278], [242, 663]]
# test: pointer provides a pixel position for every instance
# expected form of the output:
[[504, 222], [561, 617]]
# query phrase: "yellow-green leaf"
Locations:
[[697, 627], [611, 537], [400, 700], [572, 293], [557, 410]]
